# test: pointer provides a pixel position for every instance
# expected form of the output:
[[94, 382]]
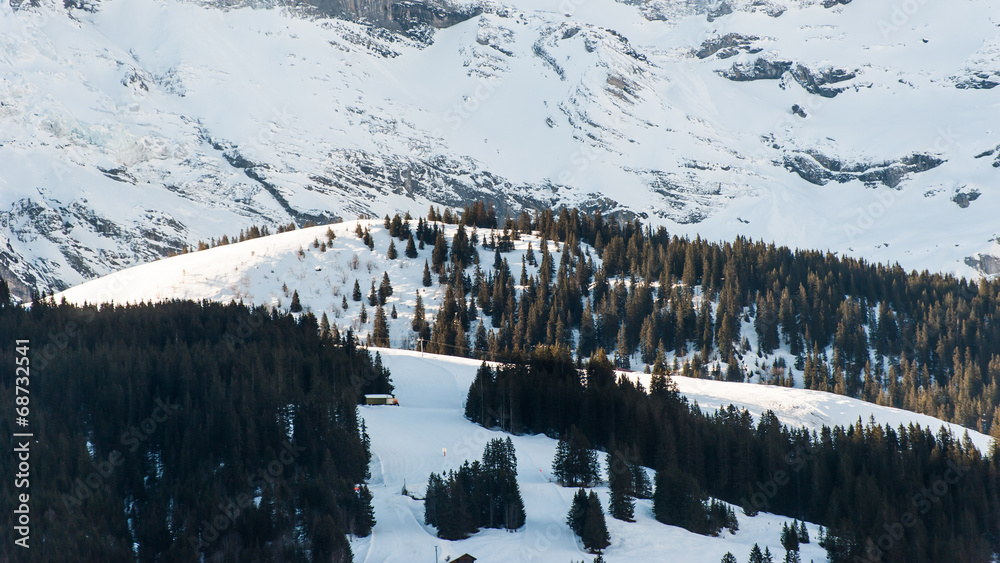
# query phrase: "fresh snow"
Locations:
[[410, 441]]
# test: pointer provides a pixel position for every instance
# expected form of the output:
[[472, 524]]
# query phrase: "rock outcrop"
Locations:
[[727, 46], [816, 168]]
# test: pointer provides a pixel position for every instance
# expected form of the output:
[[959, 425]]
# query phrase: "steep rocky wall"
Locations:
[[398, 15]]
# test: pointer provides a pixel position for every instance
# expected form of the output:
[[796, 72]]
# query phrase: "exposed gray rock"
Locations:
[[965, 198], [978, 81], [986, 153], [991, 152], [818, 82], [723, 9], [985, 263], [813, 81], [760, 69], [819, 169], [412, 17], [727, 46]]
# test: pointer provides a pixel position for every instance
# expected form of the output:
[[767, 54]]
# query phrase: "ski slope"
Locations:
[[408, 443], [428, 433]]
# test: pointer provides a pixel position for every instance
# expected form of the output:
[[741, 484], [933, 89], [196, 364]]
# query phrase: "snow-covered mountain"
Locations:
[[129, 128]]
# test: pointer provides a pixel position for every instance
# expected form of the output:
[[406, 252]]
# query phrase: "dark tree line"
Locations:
[[186, 428]]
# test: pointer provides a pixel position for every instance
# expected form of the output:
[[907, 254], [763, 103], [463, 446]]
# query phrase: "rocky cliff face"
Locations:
[[397, 15]]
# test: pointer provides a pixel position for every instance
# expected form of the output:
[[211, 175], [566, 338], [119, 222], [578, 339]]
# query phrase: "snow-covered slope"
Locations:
[[807, 408], [409, 442], [864, 128], [266, 271], [428, 433]]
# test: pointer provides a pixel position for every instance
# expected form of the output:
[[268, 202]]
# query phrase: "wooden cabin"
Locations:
[[380, 399]]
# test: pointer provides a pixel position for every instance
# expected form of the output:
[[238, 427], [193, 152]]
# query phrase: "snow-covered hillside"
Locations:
[[410, 441], [864, 128], [266, 271], [428, 433]]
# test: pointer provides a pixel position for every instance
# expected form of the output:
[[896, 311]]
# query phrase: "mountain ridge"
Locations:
[[118, 148]]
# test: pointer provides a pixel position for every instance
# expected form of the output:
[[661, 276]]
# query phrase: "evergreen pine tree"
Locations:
[[575, 463], [677, 501], [505, 507], [577, 512], [461, 348], [440, 253], [755, 555], [384, 289], [356, 294], [481, 344], [296, 307], [380, 329], [622, 350], [588, 334], [641, 487], [419, 320], [324, 326], [411, 249], [426, 280], [729, 558], [391, 253], [364, 516], [621, 505], [595, 534], [790, 537]]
